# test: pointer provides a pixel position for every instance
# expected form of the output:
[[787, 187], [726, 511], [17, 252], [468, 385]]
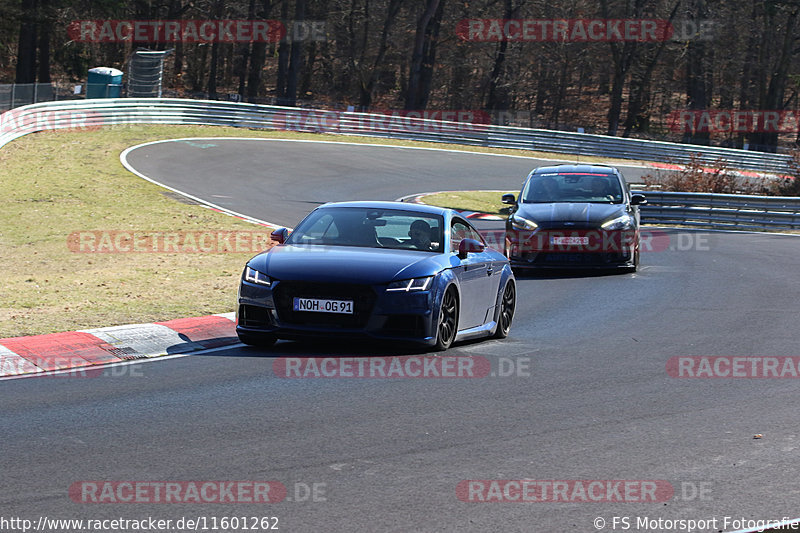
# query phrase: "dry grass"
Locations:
[[479, 201]]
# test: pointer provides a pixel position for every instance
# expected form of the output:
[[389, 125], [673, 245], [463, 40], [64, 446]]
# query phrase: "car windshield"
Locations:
[[573, 187], [370, 228]]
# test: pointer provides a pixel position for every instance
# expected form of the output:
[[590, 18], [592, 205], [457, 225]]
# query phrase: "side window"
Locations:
[[458, 231], [472, 234]]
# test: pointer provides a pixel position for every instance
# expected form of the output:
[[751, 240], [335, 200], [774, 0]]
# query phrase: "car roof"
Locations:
[[399, 206], [582, 168]]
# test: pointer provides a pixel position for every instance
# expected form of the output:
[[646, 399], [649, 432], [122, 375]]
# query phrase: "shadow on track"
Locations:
[[328, 348]]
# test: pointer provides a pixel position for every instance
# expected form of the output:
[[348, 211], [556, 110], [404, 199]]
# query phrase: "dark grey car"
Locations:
[[574, 216]]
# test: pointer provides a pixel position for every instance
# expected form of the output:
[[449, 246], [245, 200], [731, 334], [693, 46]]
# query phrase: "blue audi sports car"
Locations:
[[385, 270]]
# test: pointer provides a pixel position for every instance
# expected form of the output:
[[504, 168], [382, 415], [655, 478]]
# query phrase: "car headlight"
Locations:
[[414, 284], [621, 222], [517, 222], [254, 276]]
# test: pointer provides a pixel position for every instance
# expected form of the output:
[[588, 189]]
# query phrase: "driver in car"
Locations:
[[420, 233], [600, 189]]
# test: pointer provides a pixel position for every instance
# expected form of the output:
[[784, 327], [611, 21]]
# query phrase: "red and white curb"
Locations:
[[101, 346]]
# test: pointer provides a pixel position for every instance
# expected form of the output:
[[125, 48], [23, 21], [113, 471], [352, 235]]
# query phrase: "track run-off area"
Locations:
[[584, 395]]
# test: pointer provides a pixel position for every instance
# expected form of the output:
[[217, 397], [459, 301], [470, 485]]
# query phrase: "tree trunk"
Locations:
[[212, 71], [26, 52], [413, 96], [258, 56], [638, 118], [244, 50], [541, 88], [308, 70], [622, 57], [773, 100], [174, 12], [296, 57], [561, 92], [283, 59], [44, 29], [496, 101], [429, 57], [698, 89], [369, 78], [621, 66]]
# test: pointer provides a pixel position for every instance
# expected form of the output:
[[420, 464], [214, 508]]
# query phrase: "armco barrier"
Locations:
[[733, 211], [36, 117], [724, 211]]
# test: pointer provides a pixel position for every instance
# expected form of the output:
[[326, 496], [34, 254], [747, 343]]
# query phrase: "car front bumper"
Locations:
[[592, 248], [378, 314]]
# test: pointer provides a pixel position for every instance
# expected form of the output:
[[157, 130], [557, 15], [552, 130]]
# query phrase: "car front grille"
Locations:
[[577, 259], [405, 325], [363, 297]]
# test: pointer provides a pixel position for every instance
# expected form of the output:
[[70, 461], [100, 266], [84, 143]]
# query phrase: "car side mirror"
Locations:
[[638, 199], [469, 246], [509, 199], [279, 235]]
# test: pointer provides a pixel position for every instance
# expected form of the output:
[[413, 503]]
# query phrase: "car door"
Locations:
[[494, 269], [475, 273]]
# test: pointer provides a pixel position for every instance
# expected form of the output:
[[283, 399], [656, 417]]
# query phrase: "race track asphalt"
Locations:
[[595, 401]]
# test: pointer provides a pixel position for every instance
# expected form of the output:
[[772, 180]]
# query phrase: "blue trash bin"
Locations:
[[104, 82]]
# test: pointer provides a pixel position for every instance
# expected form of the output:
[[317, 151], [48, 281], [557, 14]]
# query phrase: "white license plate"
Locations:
[[569, 241], [315, 305]]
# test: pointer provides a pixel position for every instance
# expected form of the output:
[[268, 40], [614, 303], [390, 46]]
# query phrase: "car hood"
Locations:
[[346, 264], [579, 213]]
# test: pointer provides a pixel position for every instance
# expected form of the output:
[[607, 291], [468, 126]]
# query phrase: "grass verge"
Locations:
[[480, 201]]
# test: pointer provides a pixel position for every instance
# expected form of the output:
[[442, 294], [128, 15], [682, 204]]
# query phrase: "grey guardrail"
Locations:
[[731, 211], [89, 113], [723, 211]]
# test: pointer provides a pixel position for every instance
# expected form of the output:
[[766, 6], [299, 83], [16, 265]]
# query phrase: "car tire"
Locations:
[[447, 325], [261, 341], [508, 304]]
